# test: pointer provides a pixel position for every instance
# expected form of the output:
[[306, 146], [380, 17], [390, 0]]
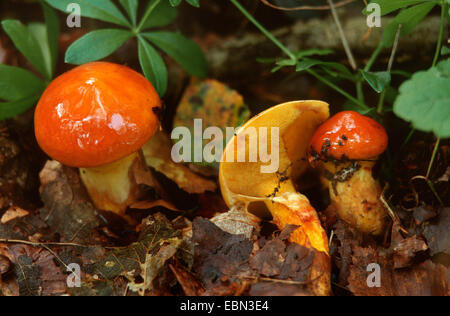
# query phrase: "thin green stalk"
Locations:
[[407, 139], [433, 156], [359, 90], [441, 32], [381, 102], [263, 30], [146, 15], [374, 57], [336, 88]]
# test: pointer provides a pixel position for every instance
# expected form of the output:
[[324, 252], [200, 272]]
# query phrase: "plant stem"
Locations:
[[147, 13], [263, 30], [389, 67], [336, 88], [433, 156], [441, 32], [374, 57], [407, 139]]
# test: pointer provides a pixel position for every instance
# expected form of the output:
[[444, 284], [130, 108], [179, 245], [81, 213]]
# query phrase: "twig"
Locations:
[[42, 244], [347, 48], [305, 7]]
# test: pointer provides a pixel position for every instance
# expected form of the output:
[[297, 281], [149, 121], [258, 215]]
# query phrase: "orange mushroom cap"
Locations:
[[348, 135], [95, 114]]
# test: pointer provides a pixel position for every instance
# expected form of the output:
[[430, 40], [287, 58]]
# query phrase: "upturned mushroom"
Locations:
[[346, 148], [97, 117], [244, 184]]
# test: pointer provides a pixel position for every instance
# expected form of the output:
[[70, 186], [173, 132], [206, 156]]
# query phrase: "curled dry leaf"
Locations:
[[157, 153], [238, 222], [13, 213]]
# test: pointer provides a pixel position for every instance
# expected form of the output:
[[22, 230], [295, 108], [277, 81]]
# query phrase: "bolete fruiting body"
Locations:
[[243, 181], [97, 117], [347, 147]]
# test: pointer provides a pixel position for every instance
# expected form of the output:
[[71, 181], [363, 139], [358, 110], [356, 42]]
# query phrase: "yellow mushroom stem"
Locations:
[[355, 194], [112, 187]]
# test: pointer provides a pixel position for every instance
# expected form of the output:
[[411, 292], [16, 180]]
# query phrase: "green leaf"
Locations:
[[39, 32], [408, 18], [185, 51], [175, 3], [103, 10], [153, 66], [377, 80], [312, 52], [424, 100], [27, 44], [162, 15], [131, 7], [52, 34], [388, 6], [194, 3], [96, 45], [307, 63], [13, 108], [17, 83], [445, 50]]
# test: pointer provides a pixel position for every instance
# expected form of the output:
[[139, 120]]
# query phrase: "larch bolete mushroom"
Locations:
[[244, 183], [97, 117], [347, 147]]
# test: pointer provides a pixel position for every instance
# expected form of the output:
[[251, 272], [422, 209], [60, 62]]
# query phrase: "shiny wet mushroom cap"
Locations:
[[95, 114]]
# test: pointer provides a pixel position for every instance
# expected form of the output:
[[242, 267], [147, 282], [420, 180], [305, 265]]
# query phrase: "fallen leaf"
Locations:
[[13, 213], [438, 234], [425, 279]]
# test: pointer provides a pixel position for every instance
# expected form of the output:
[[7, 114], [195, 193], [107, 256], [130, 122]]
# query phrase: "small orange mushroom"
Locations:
[[97, 117], [347, 147]]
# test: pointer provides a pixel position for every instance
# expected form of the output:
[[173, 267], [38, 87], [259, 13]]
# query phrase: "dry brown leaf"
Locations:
[[13, 213], [157, 153]]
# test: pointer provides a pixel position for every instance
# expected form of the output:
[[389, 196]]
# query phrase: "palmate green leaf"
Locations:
[[424, 100], [408, 18], [162, 15], [39, 32], [183, 50], [12, 108], [103, 10], [27, 44], [17, 83], [388, 6], [153, 66], [377, 80], [131, 7], [96, 45], [52, 35]]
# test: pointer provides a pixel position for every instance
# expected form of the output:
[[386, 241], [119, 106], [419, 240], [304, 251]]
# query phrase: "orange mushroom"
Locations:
[[347, 147], [97, 117]]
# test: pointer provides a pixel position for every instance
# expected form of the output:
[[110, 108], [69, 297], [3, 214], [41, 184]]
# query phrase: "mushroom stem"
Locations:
[[355, 194], [112, 187], [293, 208]]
